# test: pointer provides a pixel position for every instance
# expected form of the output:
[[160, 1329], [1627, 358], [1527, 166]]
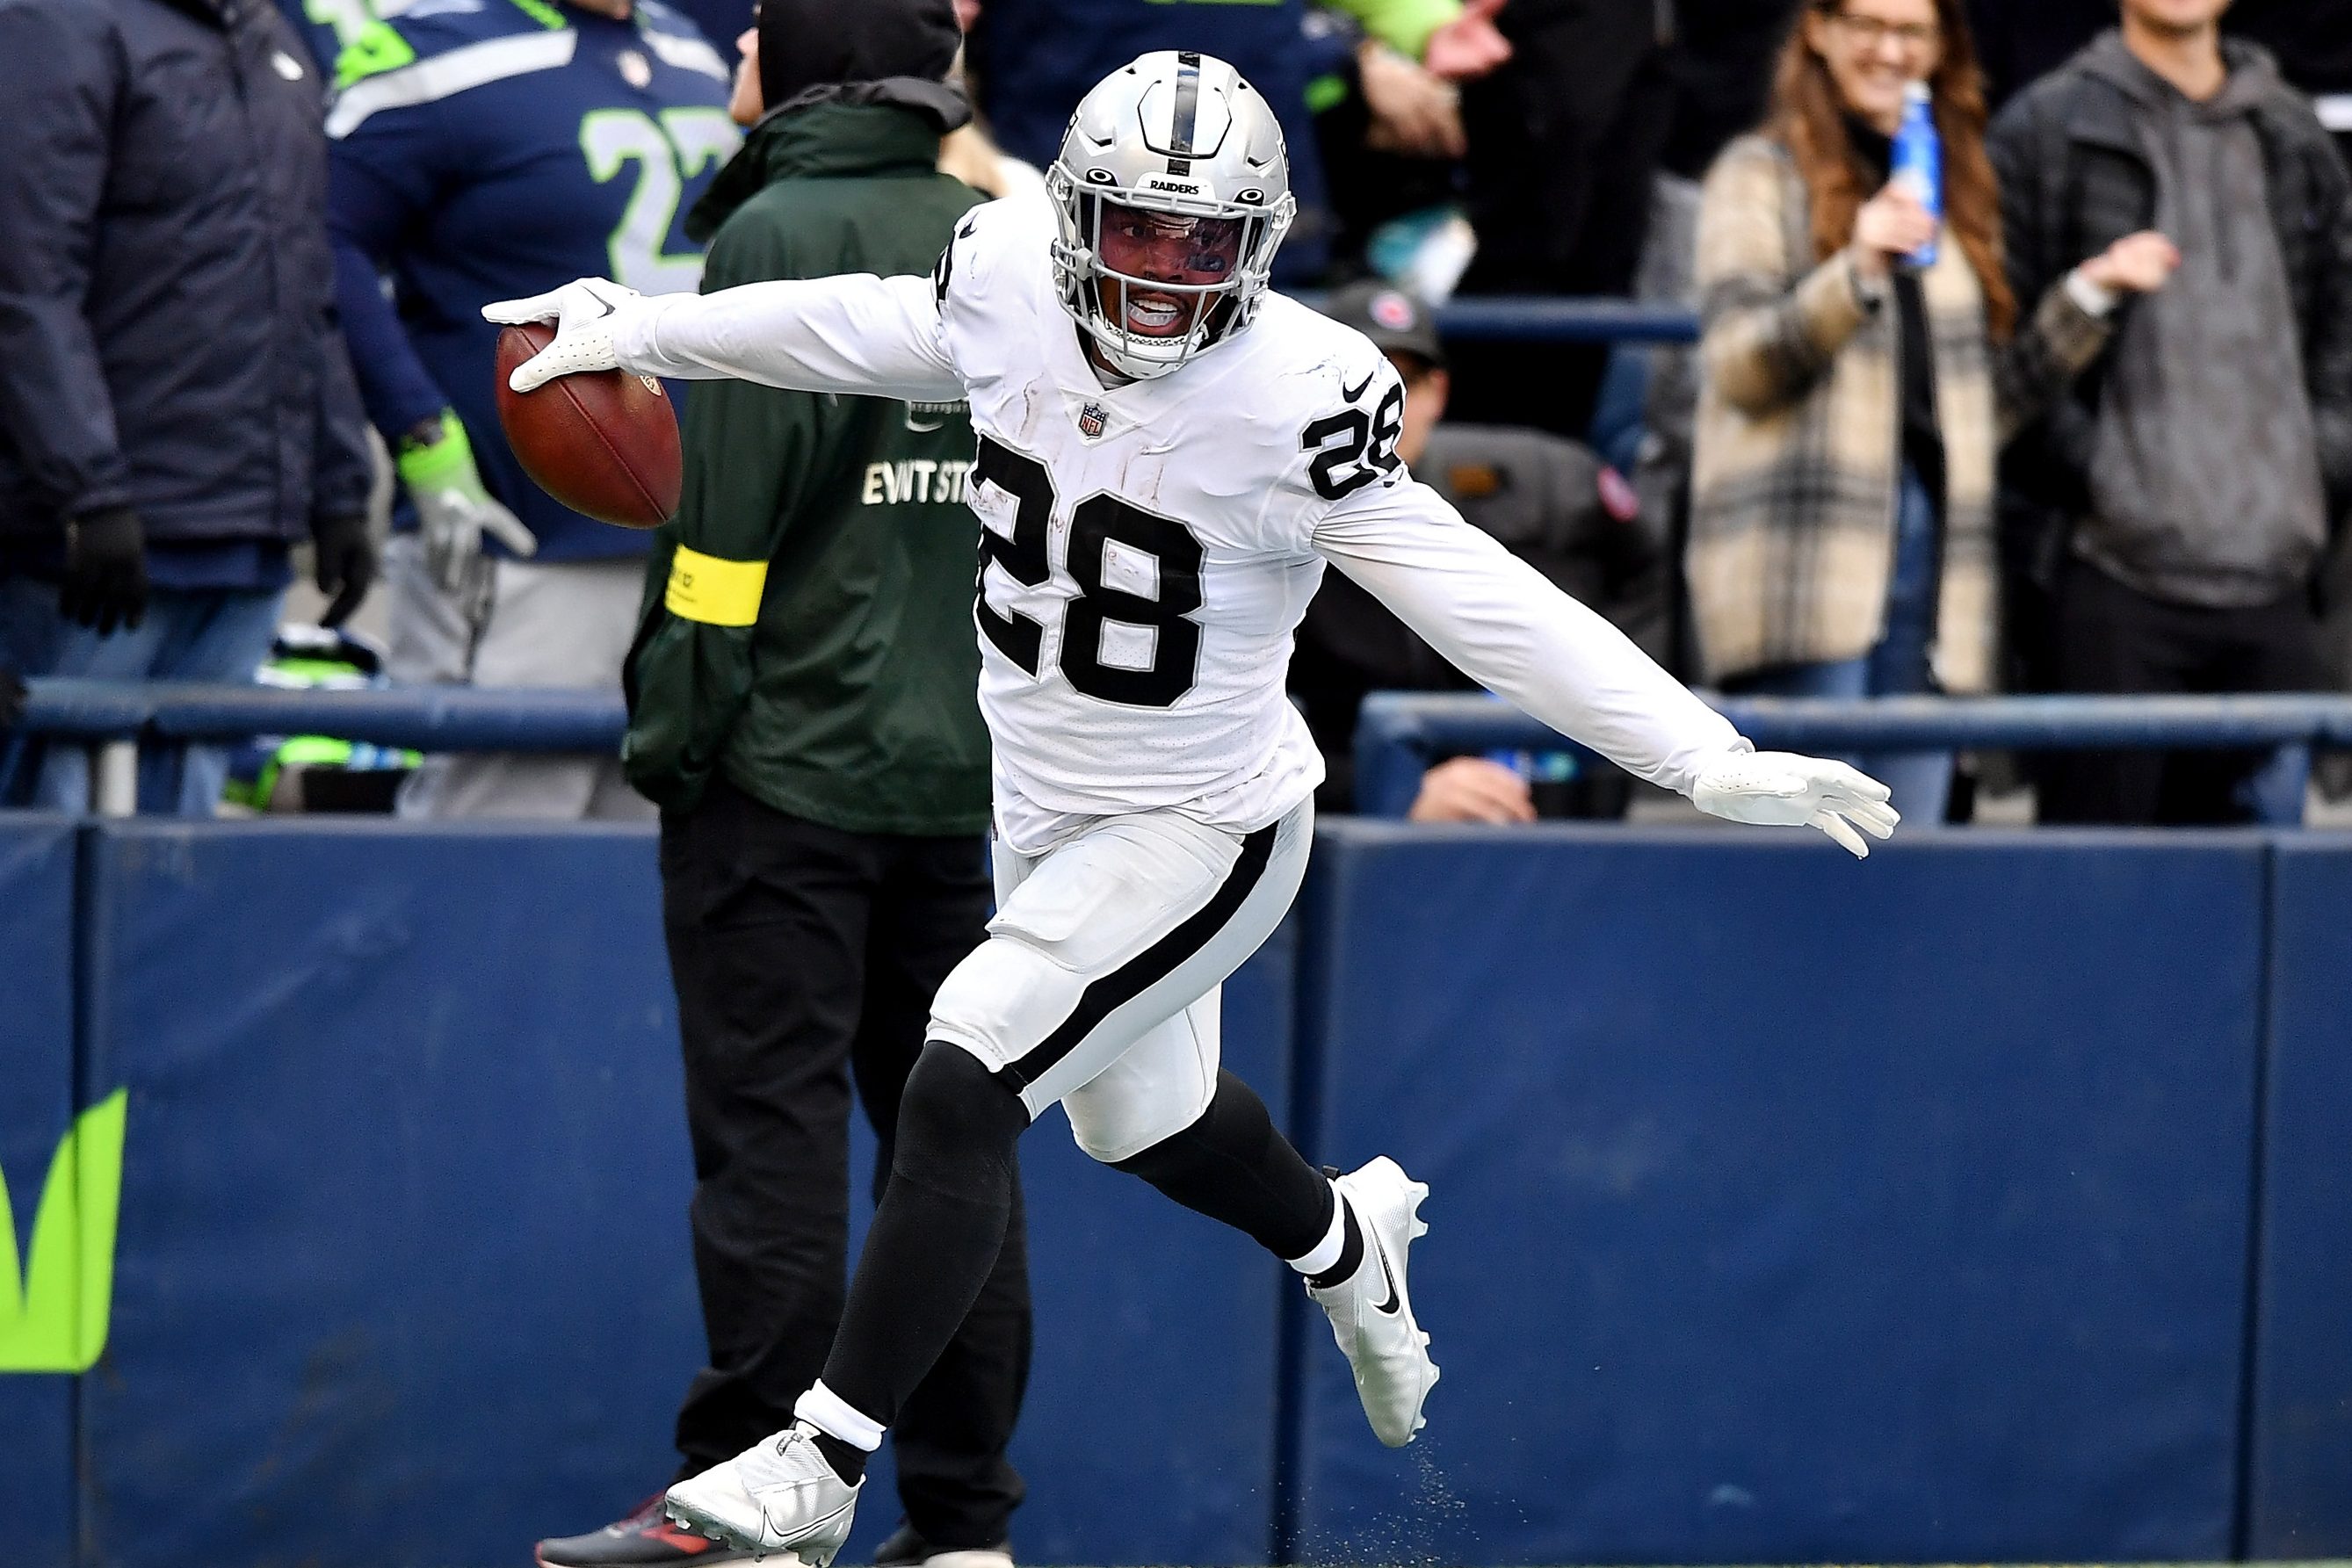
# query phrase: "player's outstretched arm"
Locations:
[[855, 334], [1505, 625]]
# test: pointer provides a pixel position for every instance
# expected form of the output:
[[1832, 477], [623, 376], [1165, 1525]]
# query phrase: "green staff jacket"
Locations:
[[807, 628]]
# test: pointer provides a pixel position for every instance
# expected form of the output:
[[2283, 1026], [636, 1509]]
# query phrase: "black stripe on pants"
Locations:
[[1148, 968]]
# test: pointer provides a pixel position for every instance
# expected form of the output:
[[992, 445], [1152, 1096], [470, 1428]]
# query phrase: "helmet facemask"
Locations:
[[1153, 278]]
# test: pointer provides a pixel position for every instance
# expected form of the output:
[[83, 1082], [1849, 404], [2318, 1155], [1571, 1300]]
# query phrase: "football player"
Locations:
[[1169, 456]]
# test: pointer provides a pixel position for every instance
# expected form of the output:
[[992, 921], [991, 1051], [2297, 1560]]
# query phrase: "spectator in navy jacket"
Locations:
[[176, 409]]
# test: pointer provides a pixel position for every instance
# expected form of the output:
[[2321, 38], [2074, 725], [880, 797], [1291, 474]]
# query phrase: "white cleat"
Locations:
[[1372, 1314], [778, 1495]]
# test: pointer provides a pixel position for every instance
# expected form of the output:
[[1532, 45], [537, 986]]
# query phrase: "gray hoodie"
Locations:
[[2205, 475]]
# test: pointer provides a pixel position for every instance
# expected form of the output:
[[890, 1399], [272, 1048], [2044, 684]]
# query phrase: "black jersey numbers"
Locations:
[[1353, 448], [1101, 523], [1116, 550], [1023, 555]]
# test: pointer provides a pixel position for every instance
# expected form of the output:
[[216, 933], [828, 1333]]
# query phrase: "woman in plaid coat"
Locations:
[[1852, 403]]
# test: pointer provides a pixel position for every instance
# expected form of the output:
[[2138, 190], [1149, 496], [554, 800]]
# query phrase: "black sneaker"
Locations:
[[644, 1540], [904, 1549]]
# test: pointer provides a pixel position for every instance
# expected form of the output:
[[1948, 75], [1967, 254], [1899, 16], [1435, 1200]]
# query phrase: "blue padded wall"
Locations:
[[1149, 1436], [1788, 1209], [403, 1275], [2299, 1491], [37, 1103]]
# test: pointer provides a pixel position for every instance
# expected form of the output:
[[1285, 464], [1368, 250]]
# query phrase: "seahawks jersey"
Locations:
[[480, 148], [1148, 548]]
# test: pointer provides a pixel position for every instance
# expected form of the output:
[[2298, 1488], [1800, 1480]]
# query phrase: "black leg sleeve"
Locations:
[[936, 1232], [957, 1487], [1232, 1165]]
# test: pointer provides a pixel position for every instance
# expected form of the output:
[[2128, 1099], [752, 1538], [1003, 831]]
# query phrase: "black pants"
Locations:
[[2114, 639], [803, 956]]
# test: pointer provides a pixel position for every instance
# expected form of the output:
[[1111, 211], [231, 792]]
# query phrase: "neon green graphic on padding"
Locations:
[[54, 1310]]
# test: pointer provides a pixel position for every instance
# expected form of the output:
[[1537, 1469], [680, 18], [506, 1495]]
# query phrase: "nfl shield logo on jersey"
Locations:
[[1090, 421]]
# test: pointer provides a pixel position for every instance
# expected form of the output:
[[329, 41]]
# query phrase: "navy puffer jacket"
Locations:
[[167, 332]]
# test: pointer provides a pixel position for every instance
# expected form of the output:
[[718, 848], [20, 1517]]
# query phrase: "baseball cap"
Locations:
[[1392, 317]]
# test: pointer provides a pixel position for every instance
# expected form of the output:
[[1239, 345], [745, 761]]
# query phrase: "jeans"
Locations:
[[1896, 666], [188, 635]]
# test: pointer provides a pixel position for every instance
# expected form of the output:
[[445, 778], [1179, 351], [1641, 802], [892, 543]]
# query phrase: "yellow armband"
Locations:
[[714, 592]]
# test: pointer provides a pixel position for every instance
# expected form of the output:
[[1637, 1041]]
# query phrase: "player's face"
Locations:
[[1190, 253]]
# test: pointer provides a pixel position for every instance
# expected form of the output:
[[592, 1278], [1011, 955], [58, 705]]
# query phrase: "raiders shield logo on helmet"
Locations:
[[1090, 421]]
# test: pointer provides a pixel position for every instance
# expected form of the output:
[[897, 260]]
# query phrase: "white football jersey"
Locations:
[[1147, 549]]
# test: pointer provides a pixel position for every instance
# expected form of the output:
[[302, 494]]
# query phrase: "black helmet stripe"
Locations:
[[1186, 115]]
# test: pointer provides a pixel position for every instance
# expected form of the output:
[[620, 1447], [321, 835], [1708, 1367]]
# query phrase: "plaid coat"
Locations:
[[1798, 439]]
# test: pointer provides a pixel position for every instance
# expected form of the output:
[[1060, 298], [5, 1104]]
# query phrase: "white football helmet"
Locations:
[[1171, 194]]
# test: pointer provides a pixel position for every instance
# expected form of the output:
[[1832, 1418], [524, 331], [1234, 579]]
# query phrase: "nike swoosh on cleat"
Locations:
[[1389, 1307], [1352, 394]]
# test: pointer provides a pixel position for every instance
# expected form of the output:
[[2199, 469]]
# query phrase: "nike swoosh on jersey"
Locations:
[[1350, 393]]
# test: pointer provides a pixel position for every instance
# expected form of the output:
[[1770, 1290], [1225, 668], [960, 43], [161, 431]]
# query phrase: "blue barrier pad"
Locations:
[[37, 1101], [1787, 1209], [2299, 1502], [1148, 1433], [403, 1275]]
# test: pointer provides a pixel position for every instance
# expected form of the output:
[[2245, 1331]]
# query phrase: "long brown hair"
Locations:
[[1808, 117]]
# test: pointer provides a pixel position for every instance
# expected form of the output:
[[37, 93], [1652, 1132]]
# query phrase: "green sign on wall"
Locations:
[[54, 1307]]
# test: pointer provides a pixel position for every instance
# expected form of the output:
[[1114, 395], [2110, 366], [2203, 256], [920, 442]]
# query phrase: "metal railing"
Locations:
[[115, 718], [1399, 734], [1531, 318]]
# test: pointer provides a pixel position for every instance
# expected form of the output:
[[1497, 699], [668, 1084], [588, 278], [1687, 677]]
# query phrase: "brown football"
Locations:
[[604, 443]]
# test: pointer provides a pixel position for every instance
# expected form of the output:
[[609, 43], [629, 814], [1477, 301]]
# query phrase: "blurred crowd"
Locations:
[[2084, 426]]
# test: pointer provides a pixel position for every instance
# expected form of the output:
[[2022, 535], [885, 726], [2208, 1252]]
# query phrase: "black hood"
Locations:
[[864, 51]]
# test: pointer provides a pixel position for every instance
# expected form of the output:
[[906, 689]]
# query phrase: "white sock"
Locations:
[[835, 1416], [1327, 1251]]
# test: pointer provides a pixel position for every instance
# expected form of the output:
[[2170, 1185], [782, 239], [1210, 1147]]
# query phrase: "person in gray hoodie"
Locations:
[[2198, 467]]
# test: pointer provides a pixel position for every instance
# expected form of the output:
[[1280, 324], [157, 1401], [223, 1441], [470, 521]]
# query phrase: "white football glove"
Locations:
[[1783, 789], [582, 313]]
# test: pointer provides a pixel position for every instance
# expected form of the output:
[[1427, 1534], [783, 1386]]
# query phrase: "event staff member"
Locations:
[[479, 149], [802, 708]]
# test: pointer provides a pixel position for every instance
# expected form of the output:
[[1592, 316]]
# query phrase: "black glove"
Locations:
[[105, 584], [11, 696], [346, 564]]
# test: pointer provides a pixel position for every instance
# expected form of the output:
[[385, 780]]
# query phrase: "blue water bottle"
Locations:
[[1918, 163]]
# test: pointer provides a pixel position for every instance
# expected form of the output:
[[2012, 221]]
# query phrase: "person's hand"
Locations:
[[1890, 225], [454, 508], [1412, 111], [1469, 46], [105, 582], [582, 313], [2136, 264], [344, 559], [1780, 788], [1473, 790]]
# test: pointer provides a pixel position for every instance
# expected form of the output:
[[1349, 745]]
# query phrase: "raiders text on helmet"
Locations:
[[1182, 135]]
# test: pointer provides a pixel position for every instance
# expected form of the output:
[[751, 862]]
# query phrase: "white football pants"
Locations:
[[1097, 986]]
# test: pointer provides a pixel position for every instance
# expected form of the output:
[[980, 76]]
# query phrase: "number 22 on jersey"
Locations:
[[1118, 645], [668, 154]]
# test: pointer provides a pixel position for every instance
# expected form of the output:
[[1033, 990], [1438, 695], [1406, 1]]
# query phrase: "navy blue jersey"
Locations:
[[487, 149]]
